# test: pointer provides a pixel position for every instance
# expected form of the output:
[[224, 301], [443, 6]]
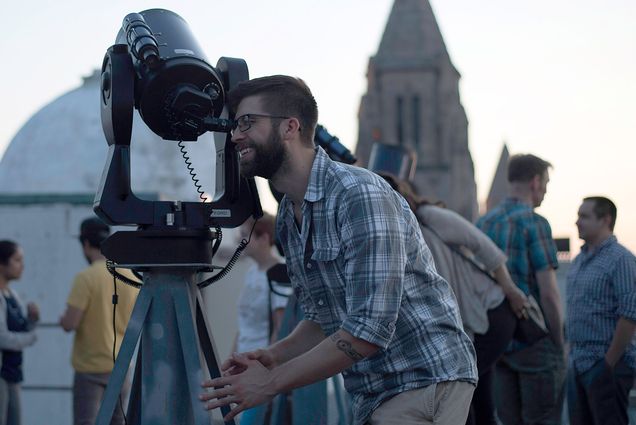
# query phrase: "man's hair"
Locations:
[[7, 249], [603, 207], [523, 167], [266, 225], [282, 96], [94, 231]]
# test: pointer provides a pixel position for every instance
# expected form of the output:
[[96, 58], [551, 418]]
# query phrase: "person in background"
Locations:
[[260, 311], [601, 320], [489, 301], [529, 378], [89, 312], [16, 332]]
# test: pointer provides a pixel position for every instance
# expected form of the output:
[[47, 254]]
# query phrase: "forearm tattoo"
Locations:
[[346, 347]]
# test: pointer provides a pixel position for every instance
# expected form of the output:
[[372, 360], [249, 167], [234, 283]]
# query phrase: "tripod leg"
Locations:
[[190, 353], [118, 375], [134, 403], [208, 350]]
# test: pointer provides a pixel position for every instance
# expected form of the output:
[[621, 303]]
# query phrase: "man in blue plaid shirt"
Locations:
[[601, 320], [529, 379], [375, 308]]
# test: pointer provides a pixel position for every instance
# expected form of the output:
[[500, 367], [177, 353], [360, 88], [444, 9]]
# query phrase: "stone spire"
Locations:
[[500, 185], [411, 37], [412, 100]]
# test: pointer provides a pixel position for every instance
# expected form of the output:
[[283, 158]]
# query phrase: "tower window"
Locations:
[[400, 120], [416, 120]]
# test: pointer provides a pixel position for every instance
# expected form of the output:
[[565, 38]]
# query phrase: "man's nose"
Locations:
[[237, 135]]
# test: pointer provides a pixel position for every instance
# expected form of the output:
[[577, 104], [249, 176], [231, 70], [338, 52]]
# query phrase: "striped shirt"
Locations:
[[525, 237], [601, 288], [359, 263]]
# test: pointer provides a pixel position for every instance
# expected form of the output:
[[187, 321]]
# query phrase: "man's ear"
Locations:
[[85, 245], [607, 220], [535, 183], [291, 126]]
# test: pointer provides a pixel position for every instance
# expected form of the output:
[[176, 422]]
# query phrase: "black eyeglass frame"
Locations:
[[245, 119]]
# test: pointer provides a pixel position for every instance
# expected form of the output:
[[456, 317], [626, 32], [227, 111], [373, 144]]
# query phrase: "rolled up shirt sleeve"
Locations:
[[373, 237]]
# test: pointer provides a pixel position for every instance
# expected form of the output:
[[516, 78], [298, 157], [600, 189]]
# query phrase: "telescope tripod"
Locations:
[[175, 347]]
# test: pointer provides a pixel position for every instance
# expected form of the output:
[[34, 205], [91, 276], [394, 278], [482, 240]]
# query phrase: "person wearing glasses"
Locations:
[[375, 308]]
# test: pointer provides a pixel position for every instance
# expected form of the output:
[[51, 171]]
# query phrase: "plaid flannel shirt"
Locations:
[[525, 237], [359, 263]]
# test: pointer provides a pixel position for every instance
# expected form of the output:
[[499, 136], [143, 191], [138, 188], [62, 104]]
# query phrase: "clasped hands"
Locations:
[[247, 381]]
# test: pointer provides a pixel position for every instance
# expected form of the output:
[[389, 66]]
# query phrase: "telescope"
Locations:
[[157, 67], [332, 146]]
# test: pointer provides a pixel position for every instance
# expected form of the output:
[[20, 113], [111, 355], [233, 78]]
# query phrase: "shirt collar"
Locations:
[[516, 201], [610, 240], [316, 186]]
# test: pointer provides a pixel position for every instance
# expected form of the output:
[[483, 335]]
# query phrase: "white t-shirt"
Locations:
[[253, 310]]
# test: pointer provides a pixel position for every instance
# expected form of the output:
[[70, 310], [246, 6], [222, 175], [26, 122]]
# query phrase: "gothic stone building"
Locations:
[[412, 100]]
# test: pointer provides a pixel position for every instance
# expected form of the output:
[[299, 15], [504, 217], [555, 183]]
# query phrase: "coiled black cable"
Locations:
[[110, 266], [239, 250], [217, 242], [190, 168]]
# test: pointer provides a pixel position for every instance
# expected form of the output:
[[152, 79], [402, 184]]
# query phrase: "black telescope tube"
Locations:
[[141, 41]]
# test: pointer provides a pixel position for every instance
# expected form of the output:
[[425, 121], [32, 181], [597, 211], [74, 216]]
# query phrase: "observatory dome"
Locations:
[[62, 149]]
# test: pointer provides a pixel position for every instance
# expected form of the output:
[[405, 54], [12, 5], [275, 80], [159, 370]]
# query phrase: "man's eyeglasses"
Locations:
[[244, 122]]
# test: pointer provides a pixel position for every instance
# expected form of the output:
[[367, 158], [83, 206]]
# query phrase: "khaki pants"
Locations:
[[444, 403], [88, 391]]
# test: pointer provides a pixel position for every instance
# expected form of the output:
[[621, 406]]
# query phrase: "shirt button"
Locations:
[[309, 266], [321, 303]]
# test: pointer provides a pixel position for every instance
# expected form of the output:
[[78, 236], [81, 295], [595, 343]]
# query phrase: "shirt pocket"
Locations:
[[325, 254], [329, 299], [325, 261]]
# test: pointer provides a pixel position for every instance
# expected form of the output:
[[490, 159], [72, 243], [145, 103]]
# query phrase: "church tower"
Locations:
[[412, 100]]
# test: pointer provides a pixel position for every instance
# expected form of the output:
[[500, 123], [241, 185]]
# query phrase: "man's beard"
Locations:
[[266, 159]]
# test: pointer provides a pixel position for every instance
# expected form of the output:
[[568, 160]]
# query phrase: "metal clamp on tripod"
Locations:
[[157, 67]]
